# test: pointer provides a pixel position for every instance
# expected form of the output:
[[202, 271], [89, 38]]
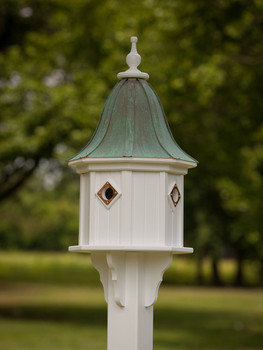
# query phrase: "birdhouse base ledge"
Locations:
[[88, 248]]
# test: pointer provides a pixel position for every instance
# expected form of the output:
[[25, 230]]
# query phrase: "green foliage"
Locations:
[[41, 217], [48, 268], [76, 269], [58, 62]]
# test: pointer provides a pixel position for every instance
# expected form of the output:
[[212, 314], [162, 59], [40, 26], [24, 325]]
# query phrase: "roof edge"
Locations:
[[139, 164]]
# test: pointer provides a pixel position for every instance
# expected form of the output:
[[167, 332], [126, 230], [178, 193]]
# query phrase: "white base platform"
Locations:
[[89, 248]]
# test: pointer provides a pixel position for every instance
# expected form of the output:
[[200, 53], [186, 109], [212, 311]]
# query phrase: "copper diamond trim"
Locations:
[[175, 195], [107, 193]]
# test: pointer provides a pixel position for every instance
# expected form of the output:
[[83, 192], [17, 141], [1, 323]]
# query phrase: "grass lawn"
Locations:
[[55, 302], [55, 317], [76, 269]]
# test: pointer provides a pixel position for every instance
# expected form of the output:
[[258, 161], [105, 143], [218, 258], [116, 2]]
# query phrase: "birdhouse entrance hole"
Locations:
[[109, 193]]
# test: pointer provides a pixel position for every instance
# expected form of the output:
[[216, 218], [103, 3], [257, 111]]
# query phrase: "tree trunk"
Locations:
[[216, 280], [239, 279], [199, 271]]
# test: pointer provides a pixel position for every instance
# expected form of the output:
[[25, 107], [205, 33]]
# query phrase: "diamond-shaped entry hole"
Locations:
[[107, 193], [175, 195]]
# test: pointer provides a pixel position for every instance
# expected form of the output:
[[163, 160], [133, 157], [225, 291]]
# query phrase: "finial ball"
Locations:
[[134, 39]]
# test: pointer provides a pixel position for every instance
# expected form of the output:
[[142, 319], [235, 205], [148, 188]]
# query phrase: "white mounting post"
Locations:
[[131, 282]]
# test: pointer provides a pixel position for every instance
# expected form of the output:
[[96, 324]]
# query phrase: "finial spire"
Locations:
[[133, 59]]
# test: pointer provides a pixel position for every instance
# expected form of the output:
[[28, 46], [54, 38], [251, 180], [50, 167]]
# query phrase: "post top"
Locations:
[[133, 59], [134, 39]]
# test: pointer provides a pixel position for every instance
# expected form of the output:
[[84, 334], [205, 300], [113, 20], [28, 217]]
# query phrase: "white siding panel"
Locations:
[[92, 210], [138, 205], [114, 211], [180, 214], [151, 193], [101, 213], [84, 209], [176, 212], [126, 208], [169, 210], [162, 208]]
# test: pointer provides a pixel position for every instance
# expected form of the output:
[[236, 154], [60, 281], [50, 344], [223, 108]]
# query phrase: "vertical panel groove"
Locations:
[[92, 223]]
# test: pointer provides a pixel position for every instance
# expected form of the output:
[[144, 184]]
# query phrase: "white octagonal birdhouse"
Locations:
[[132, 173]]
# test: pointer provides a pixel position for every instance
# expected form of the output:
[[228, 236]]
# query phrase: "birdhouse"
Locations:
[[132, 172], [131, 204]]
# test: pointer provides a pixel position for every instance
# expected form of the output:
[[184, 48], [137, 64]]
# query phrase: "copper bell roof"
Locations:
[[133, 123]]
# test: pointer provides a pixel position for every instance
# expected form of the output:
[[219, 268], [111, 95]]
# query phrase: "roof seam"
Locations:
[[92, 138], [168, 127], [153, 121], [114, 105]]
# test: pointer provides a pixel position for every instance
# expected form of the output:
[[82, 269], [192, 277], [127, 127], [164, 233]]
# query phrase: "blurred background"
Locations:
[[58, 64]]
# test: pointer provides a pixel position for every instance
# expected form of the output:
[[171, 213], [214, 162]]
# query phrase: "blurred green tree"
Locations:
[[57, 65]]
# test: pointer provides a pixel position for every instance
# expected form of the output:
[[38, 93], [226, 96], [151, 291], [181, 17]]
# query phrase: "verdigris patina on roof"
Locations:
[[133, 124]]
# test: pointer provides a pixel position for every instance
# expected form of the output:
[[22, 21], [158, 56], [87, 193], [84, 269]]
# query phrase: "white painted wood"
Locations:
[[138, 207], [141, 215], [131, 281], [126, 208], [133, 59], [105, 222], [99, 261], [84, 209], [130, 327], [151, 208], [116, 263], [132, 240], [162, 239], [155, 264], [127, 248], [179, 235], [173, 166], [91, 212]]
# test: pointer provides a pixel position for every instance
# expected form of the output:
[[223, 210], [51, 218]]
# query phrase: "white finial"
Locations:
[[133, 60]]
